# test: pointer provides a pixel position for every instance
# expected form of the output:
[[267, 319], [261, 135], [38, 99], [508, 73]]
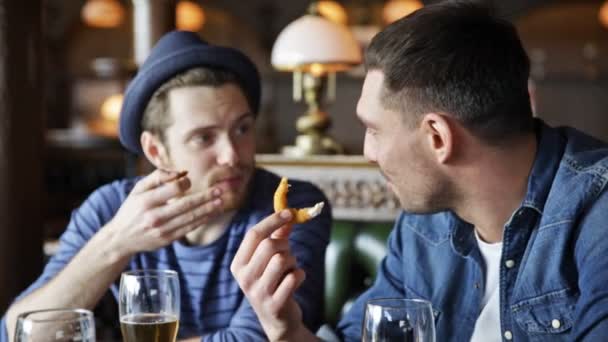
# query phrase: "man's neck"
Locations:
[[211, 231], [496, 188]]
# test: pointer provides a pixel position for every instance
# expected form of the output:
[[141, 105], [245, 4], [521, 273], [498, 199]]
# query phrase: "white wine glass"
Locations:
[[149, 305], [59, 325], [396, 319]]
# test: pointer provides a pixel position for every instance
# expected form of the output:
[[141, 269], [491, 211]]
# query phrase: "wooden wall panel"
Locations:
[[21, 145]]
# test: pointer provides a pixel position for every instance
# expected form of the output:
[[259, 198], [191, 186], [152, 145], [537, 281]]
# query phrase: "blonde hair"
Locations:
[[156, 118]]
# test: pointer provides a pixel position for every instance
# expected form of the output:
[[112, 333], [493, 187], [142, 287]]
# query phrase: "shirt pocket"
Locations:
[[546, 318]]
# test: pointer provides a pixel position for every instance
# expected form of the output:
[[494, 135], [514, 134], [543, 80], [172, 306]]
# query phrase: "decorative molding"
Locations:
[[355, 188]]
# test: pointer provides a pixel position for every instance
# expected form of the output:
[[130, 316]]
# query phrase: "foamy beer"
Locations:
[[149, 305]]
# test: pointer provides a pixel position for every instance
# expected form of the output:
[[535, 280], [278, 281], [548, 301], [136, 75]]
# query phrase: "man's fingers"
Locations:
[[249, 275], [167, 237], [287, 287], [261, 257], [185, 229], [283, 232], [185, 204], [161, 195], [156, 179], [257, 234], [205, 210], [280, 264]]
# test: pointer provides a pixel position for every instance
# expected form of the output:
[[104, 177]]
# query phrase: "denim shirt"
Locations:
[[554, 266]]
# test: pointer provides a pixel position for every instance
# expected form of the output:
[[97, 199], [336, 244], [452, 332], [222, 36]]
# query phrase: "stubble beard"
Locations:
[[233, 199], [434, 197]]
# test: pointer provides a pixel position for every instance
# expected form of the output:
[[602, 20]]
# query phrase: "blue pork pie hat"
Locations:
[[177, 52]]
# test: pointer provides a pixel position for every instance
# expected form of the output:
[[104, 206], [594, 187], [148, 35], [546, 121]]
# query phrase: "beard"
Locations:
[[429, 198], [233, 181], [424, 191]]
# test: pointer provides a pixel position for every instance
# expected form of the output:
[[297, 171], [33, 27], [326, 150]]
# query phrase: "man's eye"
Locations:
[[243, 128], [204, 138]]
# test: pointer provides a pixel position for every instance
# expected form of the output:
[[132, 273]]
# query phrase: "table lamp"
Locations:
[[314, 48]]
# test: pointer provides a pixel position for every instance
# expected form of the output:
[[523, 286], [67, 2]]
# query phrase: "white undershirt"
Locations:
[[487, 327]]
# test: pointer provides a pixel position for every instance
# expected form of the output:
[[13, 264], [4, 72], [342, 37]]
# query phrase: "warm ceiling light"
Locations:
[[110, 108], [333, 11], [396, 9], [603, 14], [189, 16], [102, 13]]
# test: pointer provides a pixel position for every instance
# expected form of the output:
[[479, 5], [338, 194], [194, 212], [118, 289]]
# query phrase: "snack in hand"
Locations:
[[299, 215]]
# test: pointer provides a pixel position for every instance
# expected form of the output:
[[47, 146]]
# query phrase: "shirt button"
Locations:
[[508, 335], [556, 324], [509, 263]]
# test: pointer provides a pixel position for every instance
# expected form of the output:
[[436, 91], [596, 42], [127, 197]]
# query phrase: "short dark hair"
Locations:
[[456, 57], [155, 118]]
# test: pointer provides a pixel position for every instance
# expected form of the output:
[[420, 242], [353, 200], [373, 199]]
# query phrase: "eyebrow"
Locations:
[[212, 127], [244, 116]]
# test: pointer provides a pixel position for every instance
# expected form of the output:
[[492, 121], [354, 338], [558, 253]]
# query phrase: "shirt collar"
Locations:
[[549, 153]]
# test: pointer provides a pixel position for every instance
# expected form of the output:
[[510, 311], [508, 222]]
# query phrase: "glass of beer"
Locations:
[[64, 325], [407, 320], [149, 305]]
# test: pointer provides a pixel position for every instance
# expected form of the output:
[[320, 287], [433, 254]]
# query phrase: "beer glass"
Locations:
[[405, 320], [149, 305], [64, 325]]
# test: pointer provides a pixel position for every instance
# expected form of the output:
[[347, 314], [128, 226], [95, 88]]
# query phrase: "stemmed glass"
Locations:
[[149, 305], [391, 319], [65, 325]]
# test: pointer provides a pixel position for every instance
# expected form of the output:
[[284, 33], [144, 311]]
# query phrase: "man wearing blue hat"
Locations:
[[191, 111]]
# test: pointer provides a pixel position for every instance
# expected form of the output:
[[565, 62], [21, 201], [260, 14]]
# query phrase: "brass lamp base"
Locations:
[[312, 127], [312, 144]]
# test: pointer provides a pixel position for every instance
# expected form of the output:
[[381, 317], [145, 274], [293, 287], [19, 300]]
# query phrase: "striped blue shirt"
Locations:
[[212, 304]]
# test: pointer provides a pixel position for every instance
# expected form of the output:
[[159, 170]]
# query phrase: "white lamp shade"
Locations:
[[313, 43]]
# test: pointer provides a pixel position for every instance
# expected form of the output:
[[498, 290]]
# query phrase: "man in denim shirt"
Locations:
[[448, 121]]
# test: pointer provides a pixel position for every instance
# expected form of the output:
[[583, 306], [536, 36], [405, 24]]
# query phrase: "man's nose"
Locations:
[[227, 154], [369, 151]]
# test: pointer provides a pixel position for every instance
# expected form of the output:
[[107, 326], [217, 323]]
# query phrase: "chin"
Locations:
[[423, 208], [412, 205], [232, 201]]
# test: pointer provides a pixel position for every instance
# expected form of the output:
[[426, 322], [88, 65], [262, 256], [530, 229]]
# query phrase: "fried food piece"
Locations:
[[299, 215]]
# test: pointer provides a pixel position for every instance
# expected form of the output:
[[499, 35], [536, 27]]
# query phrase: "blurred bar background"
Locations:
[[64, 64]]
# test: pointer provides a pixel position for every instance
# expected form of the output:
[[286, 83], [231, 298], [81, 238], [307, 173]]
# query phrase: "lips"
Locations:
[[230, 179], [229, 183]]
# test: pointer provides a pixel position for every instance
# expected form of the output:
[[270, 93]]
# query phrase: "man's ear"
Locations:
[[155, 150], [438, 133]]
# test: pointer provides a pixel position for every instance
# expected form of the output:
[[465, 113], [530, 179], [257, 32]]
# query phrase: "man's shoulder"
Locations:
[[117, 190], [583, 153], [107, 199], [580, 177]]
